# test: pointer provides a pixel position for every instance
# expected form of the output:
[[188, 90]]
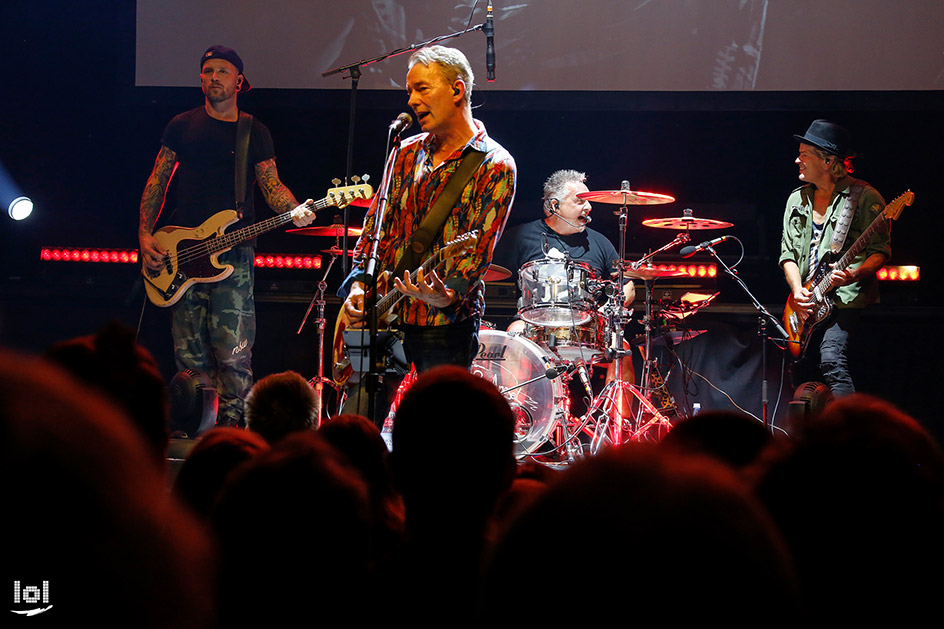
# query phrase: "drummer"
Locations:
[[563, 230]]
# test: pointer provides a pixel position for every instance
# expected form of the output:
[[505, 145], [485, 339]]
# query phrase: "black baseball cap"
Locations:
[[222, 52]]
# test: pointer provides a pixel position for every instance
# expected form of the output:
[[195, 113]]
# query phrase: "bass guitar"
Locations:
[[192, 252], [342, 370], [800, 324]]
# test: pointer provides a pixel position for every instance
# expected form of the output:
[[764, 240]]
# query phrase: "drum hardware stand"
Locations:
[[319, 381]]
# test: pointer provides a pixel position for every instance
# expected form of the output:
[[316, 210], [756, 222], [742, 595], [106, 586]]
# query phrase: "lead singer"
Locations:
[[442, 311]]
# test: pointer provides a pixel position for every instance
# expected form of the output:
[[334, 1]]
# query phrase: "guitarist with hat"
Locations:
[[823, 218]]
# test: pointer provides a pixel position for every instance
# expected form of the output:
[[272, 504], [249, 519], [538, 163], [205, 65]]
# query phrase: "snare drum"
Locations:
[[507, 360], [555, 293], [585, 342]]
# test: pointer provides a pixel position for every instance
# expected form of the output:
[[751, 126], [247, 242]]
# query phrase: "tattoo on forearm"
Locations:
[[277, 195], [153, 198]]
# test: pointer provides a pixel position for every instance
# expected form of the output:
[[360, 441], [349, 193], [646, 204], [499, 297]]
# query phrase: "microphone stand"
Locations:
[[318, 300], [373, 376], [762, 322], [353, 71]]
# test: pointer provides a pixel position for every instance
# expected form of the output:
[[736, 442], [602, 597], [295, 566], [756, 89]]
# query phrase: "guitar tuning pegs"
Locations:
[[355, 179], [336, 182], [365, 178]]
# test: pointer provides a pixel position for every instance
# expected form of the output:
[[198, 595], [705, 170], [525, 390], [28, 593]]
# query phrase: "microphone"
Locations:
[[403, 122], [489, 31], [689, 251], [585, 220]]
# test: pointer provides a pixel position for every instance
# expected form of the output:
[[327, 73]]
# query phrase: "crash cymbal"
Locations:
[[496, 273], [360, 202], [686, 222], [650, 273], [336, 251], [334, 231], [626, 197]]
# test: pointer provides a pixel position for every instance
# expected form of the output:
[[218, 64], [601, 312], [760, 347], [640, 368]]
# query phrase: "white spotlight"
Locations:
[[20, 208]]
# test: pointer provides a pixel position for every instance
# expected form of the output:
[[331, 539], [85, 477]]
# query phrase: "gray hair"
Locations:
[[555, 184], [452, 63]]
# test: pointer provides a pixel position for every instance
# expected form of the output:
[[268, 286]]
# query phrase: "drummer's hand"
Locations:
[[354, 304], [431, 290], [629, 293]]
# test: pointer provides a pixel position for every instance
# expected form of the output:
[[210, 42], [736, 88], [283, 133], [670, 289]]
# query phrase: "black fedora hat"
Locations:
[[829, 137]]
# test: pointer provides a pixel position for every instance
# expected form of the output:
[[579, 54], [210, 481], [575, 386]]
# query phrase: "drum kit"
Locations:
[[567, 331], [574, 320]]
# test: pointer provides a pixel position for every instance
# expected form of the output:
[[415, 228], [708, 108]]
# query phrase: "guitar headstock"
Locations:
[[460, 245], [357, 194], [894, 208]]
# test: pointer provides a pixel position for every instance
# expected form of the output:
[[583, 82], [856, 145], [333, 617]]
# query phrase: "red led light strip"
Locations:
[[130, 256], [293, 261]]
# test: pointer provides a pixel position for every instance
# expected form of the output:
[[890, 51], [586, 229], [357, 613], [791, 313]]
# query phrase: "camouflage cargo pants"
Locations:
[[214, 328]]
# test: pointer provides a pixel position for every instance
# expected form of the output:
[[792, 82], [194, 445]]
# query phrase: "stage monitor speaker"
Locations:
[[194, 403]]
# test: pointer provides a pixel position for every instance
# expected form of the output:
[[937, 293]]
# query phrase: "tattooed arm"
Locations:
[[151, 202], [279, 197]]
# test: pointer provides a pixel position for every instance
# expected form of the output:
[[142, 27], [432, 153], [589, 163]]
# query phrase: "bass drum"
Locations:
[[508, 360]]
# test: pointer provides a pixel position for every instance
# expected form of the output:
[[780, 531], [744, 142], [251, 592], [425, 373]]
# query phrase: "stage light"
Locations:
[[20, 208]]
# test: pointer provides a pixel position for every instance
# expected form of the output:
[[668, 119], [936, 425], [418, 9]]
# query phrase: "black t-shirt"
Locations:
[[205, 181], [524, 243]]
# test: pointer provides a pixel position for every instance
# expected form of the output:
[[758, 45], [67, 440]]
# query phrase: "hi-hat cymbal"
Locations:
[[334, 231], [686, 222], [626, 197], [496, 273]]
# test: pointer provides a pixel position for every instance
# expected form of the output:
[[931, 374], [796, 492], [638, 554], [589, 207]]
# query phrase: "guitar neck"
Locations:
[[854, 250], [389, 300], [231, 239]]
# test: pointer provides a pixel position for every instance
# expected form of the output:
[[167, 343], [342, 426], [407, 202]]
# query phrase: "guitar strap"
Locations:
[[845, 217], [243, 128], [431, 226]]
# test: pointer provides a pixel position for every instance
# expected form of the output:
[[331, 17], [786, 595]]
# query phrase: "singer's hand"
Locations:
[[354, 304], [431, 290]]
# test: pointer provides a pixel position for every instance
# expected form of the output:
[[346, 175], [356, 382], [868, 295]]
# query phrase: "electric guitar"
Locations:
[[342, 370], [192, 252], [799, 324]]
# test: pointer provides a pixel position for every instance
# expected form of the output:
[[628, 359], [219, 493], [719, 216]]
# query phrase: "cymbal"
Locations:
[[336, 251], [626, 197], [496, 273], [686, 222], [650, 273], [360, 202], [334, 231]]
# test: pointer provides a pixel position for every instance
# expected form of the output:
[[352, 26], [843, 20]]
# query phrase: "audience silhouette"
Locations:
[[125, 372], [283, 524], [859, 496], [89, 511], [281, 404]]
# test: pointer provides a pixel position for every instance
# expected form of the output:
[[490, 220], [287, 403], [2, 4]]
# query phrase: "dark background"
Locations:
[[80, 140]]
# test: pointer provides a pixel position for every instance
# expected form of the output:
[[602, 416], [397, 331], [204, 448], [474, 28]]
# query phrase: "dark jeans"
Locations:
[[426, 347], [826, 358]]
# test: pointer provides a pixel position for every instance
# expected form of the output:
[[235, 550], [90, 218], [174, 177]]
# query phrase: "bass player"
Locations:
[[213, 324]]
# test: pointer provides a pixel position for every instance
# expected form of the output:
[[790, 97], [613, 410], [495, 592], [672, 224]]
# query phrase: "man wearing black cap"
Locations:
[[213, 324], [828, 213]]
